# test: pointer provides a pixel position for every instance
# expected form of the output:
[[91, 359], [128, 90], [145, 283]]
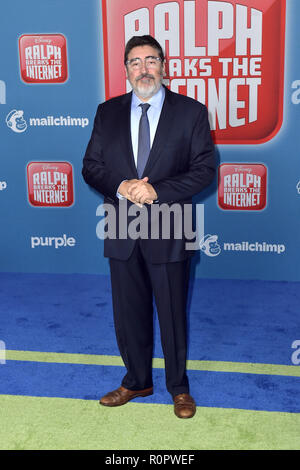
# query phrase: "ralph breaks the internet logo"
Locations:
[[229, 55], [50, 184], [43, 58]]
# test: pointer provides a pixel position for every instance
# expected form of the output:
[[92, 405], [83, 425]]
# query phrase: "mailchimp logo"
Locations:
[[15, 121], [210, 246]]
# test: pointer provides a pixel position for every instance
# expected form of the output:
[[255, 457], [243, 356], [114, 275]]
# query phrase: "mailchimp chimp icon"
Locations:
[[15, 121], [224, 54], [50, 184], [209, 245], [43, 58]]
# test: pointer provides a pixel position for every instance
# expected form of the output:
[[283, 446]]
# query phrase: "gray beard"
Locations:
[[145, 93]]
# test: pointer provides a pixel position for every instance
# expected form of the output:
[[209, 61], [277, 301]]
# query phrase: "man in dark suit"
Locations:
[[150, 148]]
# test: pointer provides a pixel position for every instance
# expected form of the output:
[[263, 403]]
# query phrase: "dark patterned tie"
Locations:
[[144, 140]]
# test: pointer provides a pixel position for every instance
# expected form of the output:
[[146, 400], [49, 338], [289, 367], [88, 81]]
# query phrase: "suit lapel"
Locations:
[[125, 133]]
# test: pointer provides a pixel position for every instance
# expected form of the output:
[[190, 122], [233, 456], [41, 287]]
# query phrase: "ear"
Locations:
[[126, 72]]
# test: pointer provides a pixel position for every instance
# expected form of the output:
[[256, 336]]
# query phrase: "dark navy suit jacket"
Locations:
[[181, 164]]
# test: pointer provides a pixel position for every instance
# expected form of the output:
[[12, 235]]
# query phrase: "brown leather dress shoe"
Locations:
[[122, 395], [184, 406]]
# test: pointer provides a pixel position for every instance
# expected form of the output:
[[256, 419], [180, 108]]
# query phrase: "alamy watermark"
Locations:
[[296, 354], [2, 92], [2, 352], [156, 221]]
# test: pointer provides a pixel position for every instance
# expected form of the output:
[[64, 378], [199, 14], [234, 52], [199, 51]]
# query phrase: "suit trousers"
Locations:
[[134, 284]]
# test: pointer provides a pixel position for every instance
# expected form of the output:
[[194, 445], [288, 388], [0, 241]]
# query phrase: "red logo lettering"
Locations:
[[223, 53]]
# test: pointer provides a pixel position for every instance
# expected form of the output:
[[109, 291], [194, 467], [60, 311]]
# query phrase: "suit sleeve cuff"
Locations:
[[119, 196]]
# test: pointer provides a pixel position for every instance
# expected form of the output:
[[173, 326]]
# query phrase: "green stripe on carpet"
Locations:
[[59, 423], [217, 366]]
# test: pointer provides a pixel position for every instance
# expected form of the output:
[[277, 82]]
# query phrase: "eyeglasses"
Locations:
[[150, 62]]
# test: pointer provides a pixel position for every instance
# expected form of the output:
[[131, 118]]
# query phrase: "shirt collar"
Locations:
[[156, 100]]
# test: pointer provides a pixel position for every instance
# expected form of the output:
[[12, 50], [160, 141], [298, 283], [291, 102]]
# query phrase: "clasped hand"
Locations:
[[138, 191]]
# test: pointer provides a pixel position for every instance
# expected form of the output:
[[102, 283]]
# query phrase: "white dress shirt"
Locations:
[[153, 113], [156, 103]]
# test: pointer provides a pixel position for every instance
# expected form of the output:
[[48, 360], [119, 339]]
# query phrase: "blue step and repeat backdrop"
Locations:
[[60, 59]]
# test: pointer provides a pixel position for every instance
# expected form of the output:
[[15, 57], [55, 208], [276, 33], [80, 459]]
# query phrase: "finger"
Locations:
[[138, 193], [133, 186], [135, 202], [143, 200], [146, 198]]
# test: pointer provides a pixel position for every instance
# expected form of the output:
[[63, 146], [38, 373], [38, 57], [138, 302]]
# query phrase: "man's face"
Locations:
[[145, 80]]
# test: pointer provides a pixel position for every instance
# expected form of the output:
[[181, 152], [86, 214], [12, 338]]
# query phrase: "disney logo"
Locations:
[[248, 170], [49, 167], [40, 39]]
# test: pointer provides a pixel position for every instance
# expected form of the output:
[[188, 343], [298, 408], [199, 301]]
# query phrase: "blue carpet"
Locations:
[[211, 389], [240, 321]]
